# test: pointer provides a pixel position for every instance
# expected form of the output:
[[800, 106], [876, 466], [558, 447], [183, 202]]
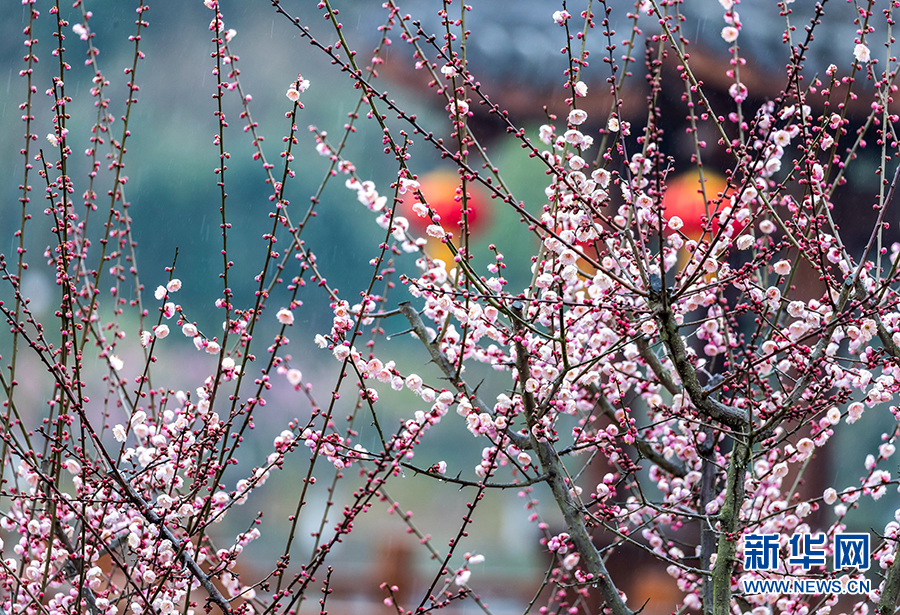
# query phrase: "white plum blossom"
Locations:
[[462, 577], [782, 267], [285, 316], [545, 134], [560, 17], [577, 117]]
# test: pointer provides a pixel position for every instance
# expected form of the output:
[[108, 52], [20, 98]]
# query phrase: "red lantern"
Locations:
[[684, 199], [442, 191]]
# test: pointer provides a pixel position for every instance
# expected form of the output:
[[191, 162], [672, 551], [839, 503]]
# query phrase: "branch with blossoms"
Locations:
[[670, 378]]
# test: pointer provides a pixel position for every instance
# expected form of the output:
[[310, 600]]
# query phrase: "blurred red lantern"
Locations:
[[684, 199], [443, 192]]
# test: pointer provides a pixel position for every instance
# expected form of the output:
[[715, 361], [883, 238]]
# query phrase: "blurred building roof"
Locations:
[[517, 51], [517, 39]]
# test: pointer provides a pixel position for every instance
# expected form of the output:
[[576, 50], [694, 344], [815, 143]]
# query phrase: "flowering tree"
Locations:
[[664, 391]]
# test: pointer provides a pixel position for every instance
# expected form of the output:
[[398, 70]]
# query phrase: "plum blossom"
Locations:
[[782, 267], [458, 107], [462, 577], [781, 138], [285, 316], [577, 117], [574, 137], [414, 382], [854, 411], [576, 163], [805, 446], [407, 185], [545, 134], [560, 17], [738, 91], [833, 415], [602, 177], [861, 53]]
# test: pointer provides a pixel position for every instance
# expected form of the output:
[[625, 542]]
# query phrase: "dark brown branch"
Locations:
[[470, 483], [735, 418], [573, 511], [656, 366]]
